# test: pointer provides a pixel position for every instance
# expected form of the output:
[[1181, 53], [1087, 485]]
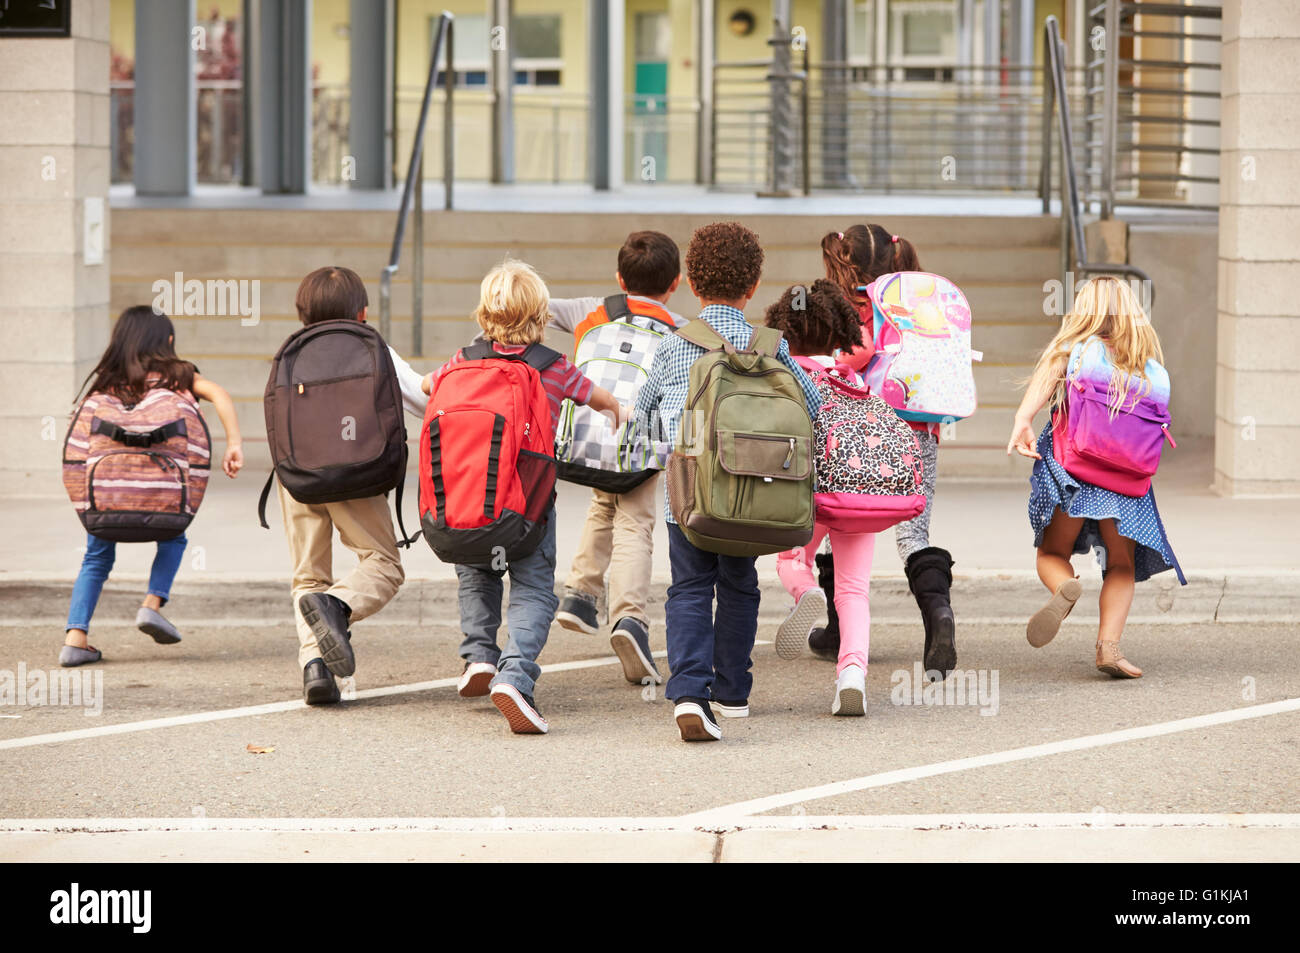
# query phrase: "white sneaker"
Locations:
[[792, 635], [850, 692], [476, 680]]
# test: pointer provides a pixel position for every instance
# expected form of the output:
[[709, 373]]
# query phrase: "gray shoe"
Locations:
[[630, 641], [577, 612], [151, 623], [70, 656]]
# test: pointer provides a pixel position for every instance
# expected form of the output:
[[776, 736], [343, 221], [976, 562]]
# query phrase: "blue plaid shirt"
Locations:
[[661, 399]]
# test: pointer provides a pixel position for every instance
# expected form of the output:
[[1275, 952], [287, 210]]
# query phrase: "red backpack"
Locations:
[[487, 474]]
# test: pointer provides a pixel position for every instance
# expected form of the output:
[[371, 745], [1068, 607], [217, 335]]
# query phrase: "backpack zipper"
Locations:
[[789, 457]]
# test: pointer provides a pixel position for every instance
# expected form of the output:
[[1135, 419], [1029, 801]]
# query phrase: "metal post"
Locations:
[[164, 98], [705, 15], [834, 86], [501, 40], [805, 130], [607, 104], [417, 265], [448, 114], [370, 44], [284, 95], [780, 119], [1045, 157], [1109, 107]]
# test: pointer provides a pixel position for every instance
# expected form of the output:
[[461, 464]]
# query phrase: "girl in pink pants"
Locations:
[[817, 322]]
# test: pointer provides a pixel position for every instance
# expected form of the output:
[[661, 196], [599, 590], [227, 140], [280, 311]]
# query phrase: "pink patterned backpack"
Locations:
[[137, 473], [867, 459]]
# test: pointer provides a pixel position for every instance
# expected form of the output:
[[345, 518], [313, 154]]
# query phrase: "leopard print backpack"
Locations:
[[867, 459]]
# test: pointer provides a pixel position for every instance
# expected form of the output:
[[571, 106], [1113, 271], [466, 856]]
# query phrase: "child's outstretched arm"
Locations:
[[1037, 394], [204, 389], [607, 405]]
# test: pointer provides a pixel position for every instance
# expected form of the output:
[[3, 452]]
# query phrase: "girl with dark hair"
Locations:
[[141, 357], [853, 259]]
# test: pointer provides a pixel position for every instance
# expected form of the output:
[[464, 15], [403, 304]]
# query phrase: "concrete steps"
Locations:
[[1000, 262]]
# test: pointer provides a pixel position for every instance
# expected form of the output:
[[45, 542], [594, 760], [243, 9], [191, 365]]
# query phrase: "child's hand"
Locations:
[[233, 461], [426, 384], [1022, 440]]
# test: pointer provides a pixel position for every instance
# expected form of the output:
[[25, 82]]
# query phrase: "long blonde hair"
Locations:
[[514, 304], [1107, 308]]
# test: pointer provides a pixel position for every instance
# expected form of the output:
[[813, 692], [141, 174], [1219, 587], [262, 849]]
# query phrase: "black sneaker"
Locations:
[[577, 612], [318, 685], [824, 645], [695, 720], [328, 618], [520, 710], [630, 641], [738, 708]]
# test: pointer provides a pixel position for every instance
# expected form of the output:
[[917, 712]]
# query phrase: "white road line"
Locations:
[[344, 825], [271, 708], [740, 809]]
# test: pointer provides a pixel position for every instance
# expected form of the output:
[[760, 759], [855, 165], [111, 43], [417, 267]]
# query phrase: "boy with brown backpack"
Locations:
[[334, 405]]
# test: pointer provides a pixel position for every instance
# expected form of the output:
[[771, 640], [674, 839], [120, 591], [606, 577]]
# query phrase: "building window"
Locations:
[[537, 49]]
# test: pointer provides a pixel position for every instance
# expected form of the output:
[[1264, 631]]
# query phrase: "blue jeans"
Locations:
[[708, 652], [532, 609], [98, 563]]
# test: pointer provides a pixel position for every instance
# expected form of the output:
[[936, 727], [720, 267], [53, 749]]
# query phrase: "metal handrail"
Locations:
[[1054, 99], [413, 192]]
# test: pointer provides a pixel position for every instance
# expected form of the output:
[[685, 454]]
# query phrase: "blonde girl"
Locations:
[[1106, 337]]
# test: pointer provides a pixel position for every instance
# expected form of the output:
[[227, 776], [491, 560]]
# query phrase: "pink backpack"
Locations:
[[137, 473], [1120, 453], [867, 459]]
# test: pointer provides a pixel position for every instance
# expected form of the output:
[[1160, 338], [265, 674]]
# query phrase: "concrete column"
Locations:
[[283, 95], [54, 294], [607, 67], [502, 44], [706, 17], [834, 148], [370, 86], [164, 97], [1257, 435]]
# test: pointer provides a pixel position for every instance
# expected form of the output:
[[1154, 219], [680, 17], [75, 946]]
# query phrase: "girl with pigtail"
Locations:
[[853, 259]]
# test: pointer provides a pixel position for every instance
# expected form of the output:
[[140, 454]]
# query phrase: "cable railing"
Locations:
[[1074, 247], [413, 192]]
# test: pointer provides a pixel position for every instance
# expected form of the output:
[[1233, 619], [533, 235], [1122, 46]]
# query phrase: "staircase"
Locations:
[[1000, 262]]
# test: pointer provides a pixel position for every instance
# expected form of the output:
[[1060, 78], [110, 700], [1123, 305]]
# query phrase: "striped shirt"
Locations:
[[661, 399], [561, 380]]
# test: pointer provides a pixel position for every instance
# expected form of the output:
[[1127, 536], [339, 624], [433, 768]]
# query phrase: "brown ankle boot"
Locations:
[[1112, 661]]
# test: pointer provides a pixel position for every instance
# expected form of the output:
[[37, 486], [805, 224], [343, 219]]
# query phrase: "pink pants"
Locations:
[[853, 553]]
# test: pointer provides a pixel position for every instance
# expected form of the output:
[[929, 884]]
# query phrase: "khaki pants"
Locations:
[[366, 528], [619, 537]]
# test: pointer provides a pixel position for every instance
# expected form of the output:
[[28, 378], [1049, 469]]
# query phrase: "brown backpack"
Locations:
[[334, 416]]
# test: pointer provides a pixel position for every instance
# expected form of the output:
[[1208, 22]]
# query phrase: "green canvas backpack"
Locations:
[[740, 479]]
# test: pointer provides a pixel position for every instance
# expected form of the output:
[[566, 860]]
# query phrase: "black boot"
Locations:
[[825, 643], [929, 576]]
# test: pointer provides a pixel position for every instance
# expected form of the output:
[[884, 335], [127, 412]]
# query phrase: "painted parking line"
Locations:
[[772, 802], [270, 708]]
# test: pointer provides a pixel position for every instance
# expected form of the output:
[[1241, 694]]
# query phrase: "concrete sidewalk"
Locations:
[[983, 523]]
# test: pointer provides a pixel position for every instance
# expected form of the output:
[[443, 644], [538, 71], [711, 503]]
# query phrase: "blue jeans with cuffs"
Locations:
[[532, 609], [98, 563]]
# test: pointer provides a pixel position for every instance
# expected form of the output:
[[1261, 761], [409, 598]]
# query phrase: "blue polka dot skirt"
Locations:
[[1136, 517]]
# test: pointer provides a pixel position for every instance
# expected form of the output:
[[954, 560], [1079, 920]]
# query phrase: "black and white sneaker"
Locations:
[[630, 641], [732, 709], [327, 616], [824, 644], [520, 711], [318, 685], [476, 679], [695, 720], [577, 612]]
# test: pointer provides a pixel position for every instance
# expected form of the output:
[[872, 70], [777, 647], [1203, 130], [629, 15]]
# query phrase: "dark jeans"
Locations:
[[708, 651], [532, 609]]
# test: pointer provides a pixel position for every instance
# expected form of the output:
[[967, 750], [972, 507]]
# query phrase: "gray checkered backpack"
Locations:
[[614, 346]]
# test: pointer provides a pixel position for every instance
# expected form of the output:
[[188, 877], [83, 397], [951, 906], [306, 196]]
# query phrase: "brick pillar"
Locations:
[[54, 171], [1257, 445]]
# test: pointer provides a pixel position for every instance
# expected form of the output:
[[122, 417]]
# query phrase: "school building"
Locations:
[[241, 143]]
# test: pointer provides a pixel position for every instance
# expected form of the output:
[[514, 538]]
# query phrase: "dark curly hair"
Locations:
[[724, 261], [816, 320]]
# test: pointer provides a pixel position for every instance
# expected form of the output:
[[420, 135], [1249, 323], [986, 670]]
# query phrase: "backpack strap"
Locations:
[[135, 438], [261, 500], [765, 341], [699, 332], [616, 307], [537, 355], [405, 540]]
